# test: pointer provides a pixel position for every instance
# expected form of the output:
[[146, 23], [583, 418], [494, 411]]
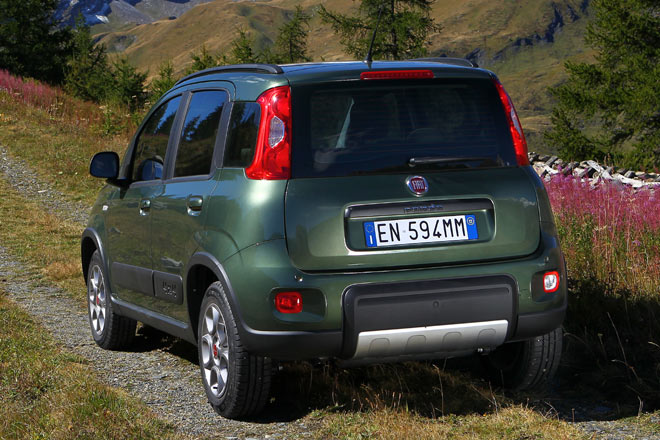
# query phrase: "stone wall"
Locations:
[[547, 166]]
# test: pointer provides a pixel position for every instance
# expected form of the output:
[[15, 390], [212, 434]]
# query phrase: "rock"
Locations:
[[568, 169], [544, 158], [533, 157], [548, 171], [629, 174], [551, 161], [595, 165], [587, 172]]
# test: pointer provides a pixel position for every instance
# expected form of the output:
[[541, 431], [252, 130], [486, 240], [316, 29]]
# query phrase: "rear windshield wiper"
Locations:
[[437, 159]]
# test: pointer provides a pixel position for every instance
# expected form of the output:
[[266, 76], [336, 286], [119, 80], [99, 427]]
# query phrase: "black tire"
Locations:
[[110, 331], [526, 365], [236, 382]]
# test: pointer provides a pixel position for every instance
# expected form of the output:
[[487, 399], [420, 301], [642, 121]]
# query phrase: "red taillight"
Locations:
[[519, 142], [288, 302], [550, 281], [397, 74], [272, 157]]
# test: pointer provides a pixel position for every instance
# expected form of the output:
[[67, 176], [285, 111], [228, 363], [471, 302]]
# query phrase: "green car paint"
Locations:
[[164, 241]]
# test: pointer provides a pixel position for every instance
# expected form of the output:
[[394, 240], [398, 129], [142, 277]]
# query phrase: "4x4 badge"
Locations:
[[418, 185]]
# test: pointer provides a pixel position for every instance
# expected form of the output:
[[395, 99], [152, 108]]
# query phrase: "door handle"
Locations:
[[195, 203], [145, 205]]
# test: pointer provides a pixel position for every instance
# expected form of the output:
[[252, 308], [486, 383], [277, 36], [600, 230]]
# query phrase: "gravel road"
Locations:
[[25, 180], [161, 371]]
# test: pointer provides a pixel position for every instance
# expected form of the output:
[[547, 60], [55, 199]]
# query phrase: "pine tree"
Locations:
[[612, 106], [291, 42], [128, 85], [87, 72], [202, 60], [164, 81], [403, 32], [31, 43], [242, 51]]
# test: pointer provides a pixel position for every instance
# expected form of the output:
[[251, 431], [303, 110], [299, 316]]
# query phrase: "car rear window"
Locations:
[[375, 127]]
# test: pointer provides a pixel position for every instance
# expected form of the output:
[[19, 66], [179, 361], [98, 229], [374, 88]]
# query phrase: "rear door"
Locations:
[[401, 173]]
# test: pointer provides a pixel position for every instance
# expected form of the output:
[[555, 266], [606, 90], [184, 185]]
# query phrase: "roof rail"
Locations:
[[256, 68], [447, 60]]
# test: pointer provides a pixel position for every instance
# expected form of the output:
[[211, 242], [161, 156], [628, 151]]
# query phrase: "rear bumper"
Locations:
[[331, 344], [339, 307], [413, 320]]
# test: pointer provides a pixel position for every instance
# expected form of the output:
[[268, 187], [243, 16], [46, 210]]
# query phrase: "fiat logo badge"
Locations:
[[418, 185]]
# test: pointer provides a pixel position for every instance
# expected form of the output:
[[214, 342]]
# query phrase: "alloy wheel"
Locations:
[[97, 298], [215, 350]]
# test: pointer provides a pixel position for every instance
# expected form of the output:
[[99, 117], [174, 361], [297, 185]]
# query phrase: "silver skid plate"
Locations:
[[422, 340]]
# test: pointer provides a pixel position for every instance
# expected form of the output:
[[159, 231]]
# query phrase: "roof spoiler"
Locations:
[[273, 69], [446, 60]]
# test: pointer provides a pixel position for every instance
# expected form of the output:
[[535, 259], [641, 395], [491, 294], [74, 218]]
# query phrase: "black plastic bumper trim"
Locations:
[[410, 304], [292, 345], [154, 319], [539, 323]]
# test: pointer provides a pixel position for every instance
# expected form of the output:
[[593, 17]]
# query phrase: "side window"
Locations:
[[242, 134], [200, 129], [151, 145]]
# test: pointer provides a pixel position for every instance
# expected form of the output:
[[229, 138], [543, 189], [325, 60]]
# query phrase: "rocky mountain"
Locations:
[[120, 13]]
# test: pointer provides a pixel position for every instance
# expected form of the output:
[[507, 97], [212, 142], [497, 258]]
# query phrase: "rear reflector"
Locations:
[[288, 302], [272, 157], [397, 74], [550, 282], [519, 142]]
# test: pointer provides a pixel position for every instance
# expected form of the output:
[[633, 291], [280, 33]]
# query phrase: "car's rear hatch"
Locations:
[[400, 173]]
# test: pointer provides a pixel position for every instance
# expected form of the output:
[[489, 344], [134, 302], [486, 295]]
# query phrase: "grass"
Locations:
[[610, 235], [514, 422], [422, 400], [47, 392], [58, 134], [414, 400], [41, 239]]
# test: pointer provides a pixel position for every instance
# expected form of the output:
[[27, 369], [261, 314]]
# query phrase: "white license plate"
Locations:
[[421, 230]]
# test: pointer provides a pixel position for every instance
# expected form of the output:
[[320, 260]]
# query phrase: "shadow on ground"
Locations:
[[610, 370]]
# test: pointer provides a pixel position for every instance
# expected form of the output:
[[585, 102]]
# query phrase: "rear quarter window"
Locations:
[[242, 134]]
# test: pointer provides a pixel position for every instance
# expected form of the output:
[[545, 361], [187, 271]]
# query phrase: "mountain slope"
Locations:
[[524, 41], [113, 14]]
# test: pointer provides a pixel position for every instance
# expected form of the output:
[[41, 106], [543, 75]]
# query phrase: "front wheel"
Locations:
[[236, 382], [526, 365]]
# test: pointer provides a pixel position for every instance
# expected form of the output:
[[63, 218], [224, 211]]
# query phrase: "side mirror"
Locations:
[[105, 165]]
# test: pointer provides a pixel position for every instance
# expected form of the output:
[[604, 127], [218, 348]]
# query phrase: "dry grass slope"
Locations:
[[524, 41]]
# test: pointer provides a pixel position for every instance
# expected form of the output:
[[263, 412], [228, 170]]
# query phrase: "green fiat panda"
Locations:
[[366, 212]]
